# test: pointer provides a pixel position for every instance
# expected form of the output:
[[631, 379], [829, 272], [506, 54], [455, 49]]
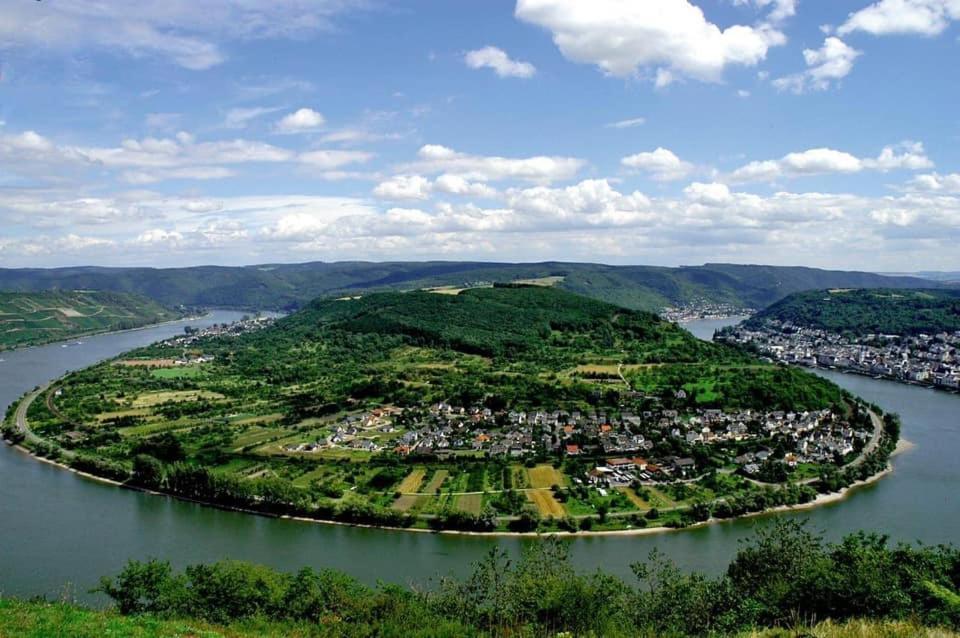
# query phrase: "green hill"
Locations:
[[290, 286], [32, 318], [335, 412], [862, 312]]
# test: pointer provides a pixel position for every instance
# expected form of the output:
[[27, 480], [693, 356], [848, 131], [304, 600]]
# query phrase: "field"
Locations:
[[436, 481], [411, 483], [545, 476], [470, 503], [546, 504]]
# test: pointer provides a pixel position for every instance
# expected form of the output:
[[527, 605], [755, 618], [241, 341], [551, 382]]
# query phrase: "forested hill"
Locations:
[[509, 320], [290, 286], [527, 345], [861, 312], [33, 318]]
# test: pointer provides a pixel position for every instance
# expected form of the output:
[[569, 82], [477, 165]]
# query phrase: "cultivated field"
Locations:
[[411, 483], [471, 503], [546, 503], [436, 481], [545, 476]]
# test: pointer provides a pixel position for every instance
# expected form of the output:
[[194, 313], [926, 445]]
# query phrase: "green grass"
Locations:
[[58, 620], [180, 372], [19, 619]]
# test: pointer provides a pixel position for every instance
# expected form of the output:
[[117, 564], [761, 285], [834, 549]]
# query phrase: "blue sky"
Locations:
[[618, 131]]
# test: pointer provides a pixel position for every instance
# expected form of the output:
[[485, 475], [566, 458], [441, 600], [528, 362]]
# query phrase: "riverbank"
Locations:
[[917, 384], [819, 501], [674, 524]]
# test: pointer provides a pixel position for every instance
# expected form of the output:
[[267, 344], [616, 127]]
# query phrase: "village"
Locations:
[[613, 449], [700, 309], [932, 360], [193, 335]]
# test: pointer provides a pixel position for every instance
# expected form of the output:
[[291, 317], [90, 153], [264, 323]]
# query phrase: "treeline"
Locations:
[[783, 576]]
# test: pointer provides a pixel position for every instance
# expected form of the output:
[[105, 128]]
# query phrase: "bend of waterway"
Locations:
[[58, 529]]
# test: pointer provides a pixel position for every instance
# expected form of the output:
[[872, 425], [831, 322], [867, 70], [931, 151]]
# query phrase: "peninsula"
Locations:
[[514, 408]]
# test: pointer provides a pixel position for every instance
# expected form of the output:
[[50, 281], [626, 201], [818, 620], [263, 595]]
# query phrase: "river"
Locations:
[[58, 530]]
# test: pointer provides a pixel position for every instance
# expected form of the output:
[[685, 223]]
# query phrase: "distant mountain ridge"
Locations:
[[290, 286]]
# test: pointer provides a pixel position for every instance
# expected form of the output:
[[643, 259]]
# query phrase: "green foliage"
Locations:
[[862, 312], [783, 575]]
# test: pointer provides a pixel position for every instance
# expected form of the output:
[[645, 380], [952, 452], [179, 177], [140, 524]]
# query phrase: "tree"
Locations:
[[147, 471]]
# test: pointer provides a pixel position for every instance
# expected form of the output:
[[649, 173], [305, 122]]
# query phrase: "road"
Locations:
[[20, 416]]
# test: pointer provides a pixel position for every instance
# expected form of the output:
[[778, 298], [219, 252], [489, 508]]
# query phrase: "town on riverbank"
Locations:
[[926, 359]]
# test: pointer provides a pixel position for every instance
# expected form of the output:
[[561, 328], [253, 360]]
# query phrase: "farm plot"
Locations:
[[411, 483], [546, 503], [436, 481], [545, 476], [470, 503], [635, 498], [156, 398]]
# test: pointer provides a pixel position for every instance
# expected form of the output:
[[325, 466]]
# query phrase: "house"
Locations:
[[620, 464]]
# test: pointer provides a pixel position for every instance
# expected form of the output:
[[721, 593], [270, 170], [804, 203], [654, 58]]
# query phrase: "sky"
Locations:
[[176, 132]]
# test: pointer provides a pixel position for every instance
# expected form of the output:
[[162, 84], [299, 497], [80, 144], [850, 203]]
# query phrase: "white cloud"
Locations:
[[433, 158], [779, 9], [936, 183], [404, 187], [348, 136], [576, 222], [303, 120], [661, 164], [143, 161], [189, 34], [241, 117], [630, 123], [457, 185], [159, 236], [496, 59], [332, 159], [712, 194], [670, 36], [830, 63], [904, 156], [818, 161], [418, 187], [921, 17]]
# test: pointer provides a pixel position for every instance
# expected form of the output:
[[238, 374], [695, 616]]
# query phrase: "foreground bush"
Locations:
[[783, 576]]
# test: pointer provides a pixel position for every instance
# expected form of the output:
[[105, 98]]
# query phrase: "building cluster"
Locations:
[[703, 309], [192, 335], [932, 360], [626, 440]]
